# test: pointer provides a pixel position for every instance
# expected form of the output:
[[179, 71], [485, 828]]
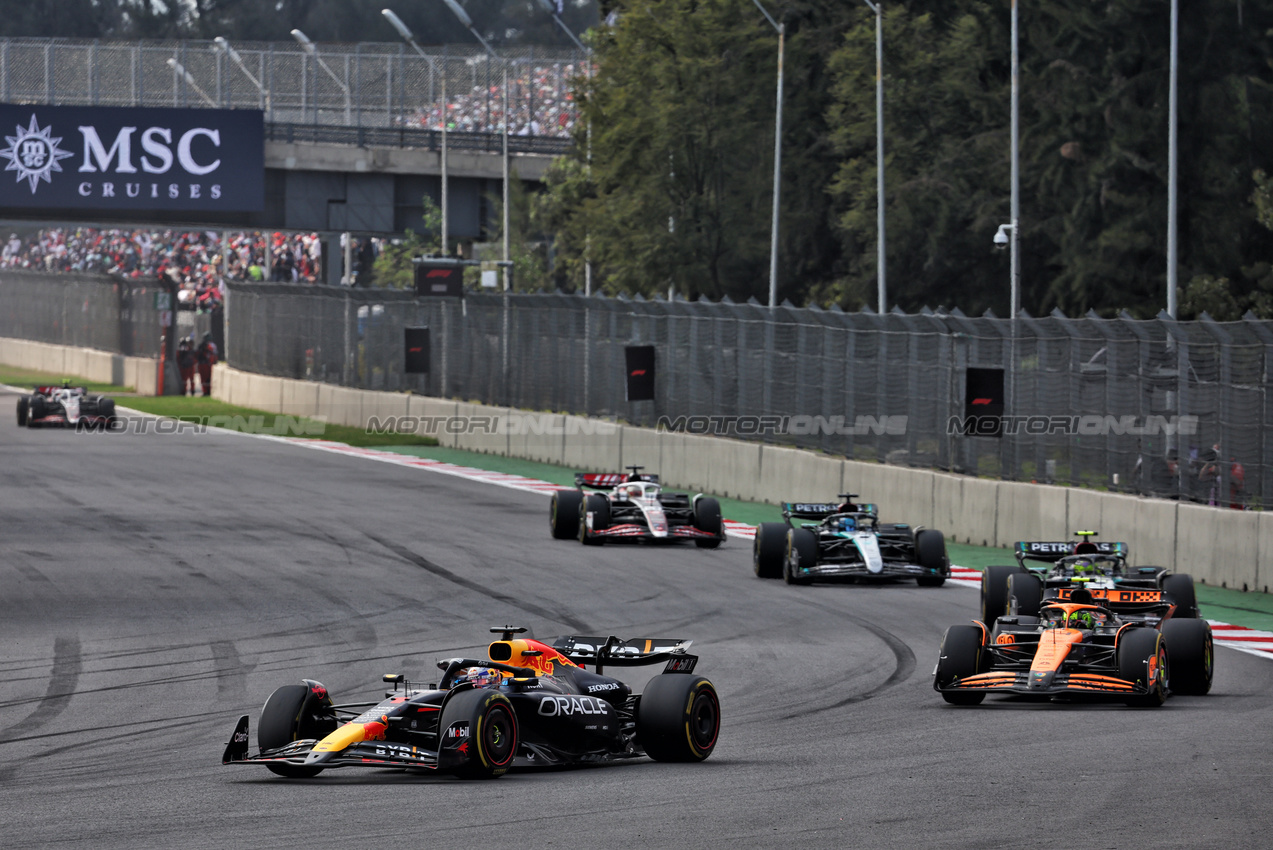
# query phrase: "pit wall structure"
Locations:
[[140, 373], [1221, 547]]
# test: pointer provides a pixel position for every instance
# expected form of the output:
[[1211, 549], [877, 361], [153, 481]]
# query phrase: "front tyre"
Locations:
[[487, 749], [288, 715], [1142, 658], [1192, 653], [678, 718], [930, 553], [707, 518], [768, 549], [802, 554], [563, 515], [959, 658], [24, 404]]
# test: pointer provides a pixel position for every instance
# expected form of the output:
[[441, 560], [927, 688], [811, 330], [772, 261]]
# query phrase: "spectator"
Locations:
[[186, 364], [206, 355]]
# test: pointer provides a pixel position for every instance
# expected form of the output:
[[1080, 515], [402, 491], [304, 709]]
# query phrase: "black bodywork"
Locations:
[[564, 713]]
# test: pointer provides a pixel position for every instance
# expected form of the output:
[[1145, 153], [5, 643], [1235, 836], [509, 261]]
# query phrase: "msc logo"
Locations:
[[33, 153]]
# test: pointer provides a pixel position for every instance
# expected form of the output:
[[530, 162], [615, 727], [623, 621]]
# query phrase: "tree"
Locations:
[[394, 267]]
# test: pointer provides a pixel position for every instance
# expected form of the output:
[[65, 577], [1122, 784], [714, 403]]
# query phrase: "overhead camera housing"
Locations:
[[1001, 236]]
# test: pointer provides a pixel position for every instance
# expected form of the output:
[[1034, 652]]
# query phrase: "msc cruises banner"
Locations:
[[107, 158]]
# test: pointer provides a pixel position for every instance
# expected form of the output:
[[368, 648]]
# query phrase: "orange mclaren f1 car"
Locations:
[[1075, 649]]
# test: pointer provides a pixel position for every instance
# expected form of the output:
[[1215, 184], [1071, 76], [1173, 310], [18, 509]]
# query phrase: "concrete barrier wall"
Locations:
[[1213, 545], [140, 373]]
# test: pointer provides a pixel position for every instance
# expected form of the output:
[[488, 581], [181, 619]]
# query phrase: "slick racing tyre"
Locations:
[[106, 409], [1025, 594], [707, 518], [769, 549], [289, 715], [1142, 658], [563, 515], [36, 410], [994, 593], [1192, 654], [802, 553], [678, 718], [599, 507], [1179, 586], [24, 402], [930, 553], [490, 725], [960, 658]]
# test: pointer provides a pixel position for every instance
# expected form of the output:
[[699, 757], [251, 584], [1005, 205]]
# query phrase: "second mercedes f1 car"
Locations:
[[527, 704], [632, 506], [65, 406], [847, 540]]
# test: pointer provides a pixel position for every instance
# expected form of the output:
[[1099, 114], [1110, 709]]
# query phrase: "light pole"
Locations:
[[463, 17], [1172, 145], [878, 8], [309, 48], [185, 75], [407, 35], [773, 228], [1014, 260], [551, 8], [224, 46]]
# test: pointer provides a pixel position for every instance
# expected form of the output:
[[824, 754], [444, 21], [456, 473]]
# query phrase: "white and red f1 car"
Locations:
[[632, 506], [65, 406]]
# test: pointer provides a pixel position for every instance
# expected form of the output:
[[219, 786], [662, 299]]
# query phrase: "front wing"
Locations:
[[1021, 682], [363, 754], [639, 531], [889, 569]]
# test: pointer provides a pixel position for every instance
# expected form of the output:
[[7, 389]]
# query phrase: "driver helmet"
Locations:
[[1082, 619], [482, 677], [1084, 566], [846, 523], [632, 491]]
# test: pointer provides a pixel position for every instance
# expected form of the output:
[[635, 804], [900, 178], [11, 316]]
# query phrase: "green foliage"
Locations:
[[393, 269]]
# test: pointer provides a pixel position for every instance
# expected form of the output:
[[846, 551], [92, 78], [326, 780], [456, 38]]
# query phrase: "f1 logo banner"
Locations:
[[417, 345], [640, 363], [108, 158], [983, 401], [443, 279]]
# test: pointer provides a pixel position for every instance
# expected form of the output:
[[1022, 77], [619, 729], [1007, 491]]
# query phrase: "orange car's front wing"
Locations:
[[1021, 682]]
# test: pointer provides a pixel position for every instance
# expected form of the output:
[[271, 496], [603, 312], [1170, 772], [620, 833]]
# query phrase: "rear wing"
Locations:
[[638, 652], [1052, 551], [822, 510], [48, 390], [607, 480]]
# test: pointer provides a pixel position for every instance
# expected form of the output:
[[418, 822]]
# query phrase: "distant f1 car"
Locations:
[[1074, 649], [65, 406], [528, 704], [632, 506], [847, 540]]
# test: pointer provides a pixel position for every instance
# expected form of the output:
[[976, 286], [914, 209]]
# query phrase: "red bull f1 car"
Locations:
[[846, 540], [65, 406], [633, 507], [1073, 650], [526, 704]]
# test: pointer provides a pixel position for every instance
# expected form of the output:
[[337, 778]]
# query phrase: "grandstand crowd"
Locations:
[[541, 98], [196, 261]]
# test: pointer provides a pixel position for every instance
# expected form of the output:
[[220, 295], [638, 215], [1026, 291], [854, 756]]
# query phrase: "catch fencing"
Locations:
[[1158, 407], [359, 85], [114, 314]]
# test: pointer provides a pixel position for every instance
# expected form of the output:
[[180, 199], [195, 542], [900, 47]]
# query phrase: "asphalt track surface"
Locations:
[[154, 588]]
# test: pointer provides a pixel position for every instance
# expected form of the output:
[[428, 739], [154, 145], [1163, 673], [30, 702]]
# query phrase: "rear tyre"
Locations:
[[106, 409], [1142, 658], [678, 718], [960, 658], [707, 518], [23, 403], [563, 515], [1179, 586], [36, 410], [285, 719], [599, 507], [768, 549], [802, 553], [994, 593], [930, 553], [1192, 653], [1025, 594], [493, 733]]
